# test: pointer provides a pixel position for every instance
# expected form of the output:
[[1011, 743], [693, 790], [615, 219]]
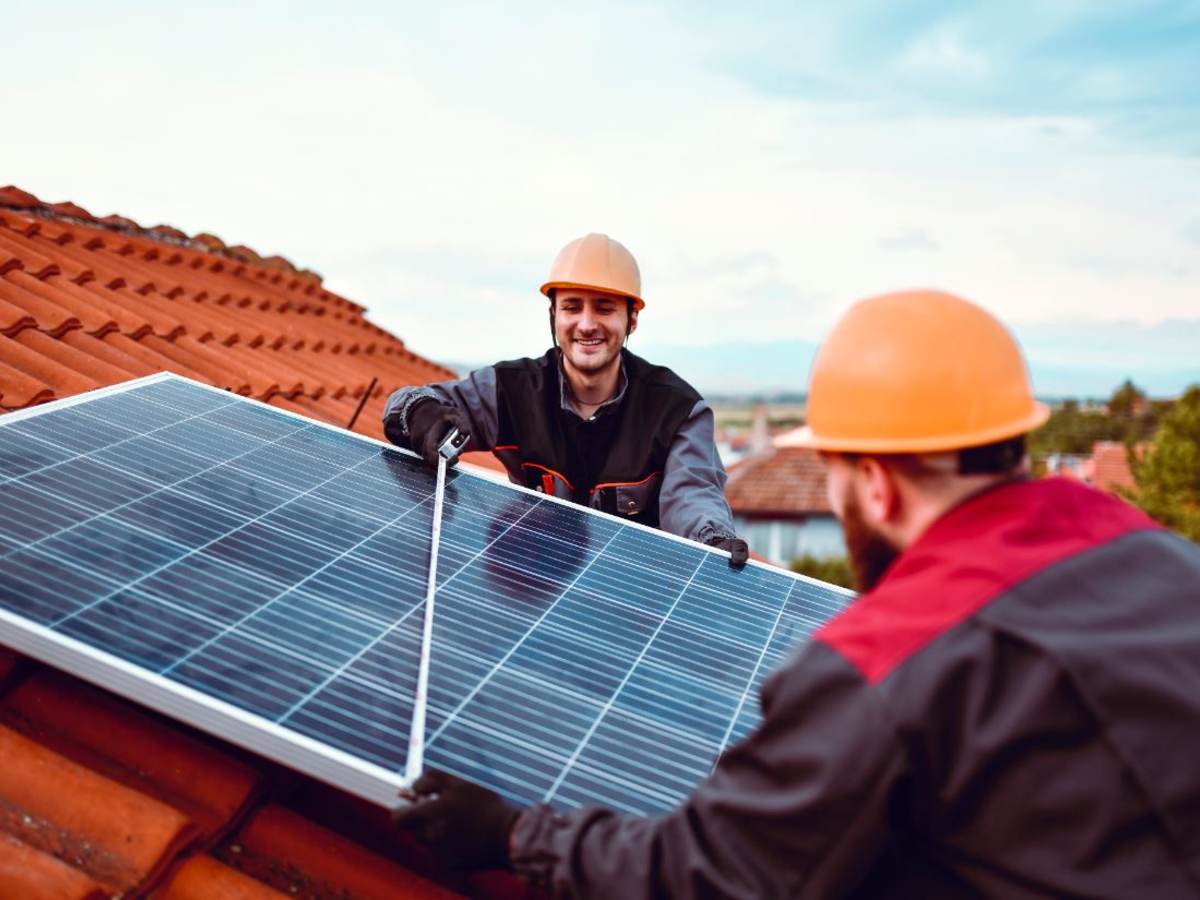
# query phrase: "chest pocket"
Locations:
[[547, 480], [627, 498]]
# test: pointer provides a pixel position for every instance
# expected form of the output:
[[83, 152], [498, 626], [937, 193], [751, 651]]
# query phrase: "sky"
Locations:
[[768, 164]]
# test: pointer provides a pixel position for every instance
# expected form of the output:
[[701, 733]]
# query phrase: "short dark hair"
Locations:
[[1002, 457], [996, 458]]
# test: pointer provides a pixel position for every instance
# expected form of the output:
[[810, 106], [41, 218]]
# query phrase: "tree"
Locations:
[[1127, 401], [1168, 473], [834, 570]]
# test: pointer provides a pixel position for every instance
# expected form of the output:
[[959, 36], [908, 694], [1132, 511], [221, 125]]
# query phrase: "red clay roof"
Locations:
[[1109, 468], [783, 482], [99, 798], [87, 302]]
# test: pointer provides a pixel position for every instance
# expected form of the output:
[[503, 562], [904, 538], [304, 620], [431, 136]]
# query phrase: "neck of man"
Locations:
[[924, 507], [592, 389]]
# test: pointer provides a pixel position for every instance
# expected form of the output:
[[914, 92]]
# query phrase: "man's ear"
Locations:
[[633, 314], [553, 333], [878, 493]]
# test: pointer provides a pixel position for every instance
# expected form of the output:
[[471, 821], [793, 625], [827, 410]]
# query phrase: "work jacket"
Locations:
[[1013, 711], [647, 454]]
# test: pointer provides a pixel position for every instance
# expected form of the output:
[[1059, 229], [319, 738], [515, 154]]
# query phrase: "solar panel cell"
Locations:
[[22, 452], [141, 628], [44, 589]]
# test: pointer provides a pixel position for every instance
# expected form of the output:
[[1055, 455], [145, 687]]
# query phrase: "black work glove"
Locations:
[[465, 825], [428, 424], [739, 550]]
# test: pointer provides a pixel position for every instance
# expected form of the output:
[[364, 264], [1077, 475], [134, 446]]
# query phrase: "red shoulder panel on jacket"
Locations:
[[968, 558]]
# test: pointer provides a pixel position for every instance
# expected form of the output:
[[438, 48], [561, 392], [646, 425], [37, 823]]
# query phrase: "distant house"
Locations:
[[779, 504]]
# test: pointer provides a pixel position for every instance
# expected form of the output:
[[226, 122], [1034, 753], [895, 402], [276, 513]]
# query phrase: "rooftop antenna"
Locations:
[[361, 403]]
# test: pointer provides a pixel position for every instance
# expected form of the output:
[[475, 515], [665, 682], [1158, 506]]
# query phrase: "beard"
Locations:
[[870, 552]]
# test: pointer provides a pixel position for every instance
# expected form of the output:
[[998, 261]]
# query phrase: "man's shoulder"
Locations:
[[979, 553], [659, 377]]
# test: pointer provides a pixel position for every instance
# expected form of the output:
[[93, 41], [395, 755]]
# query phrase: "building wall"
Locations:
[[782, 540]]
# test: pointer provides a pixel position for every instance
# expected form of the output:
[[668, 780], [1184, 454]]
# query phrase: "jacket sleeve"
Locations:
[[475, 396], [691, 501], [797, 809]]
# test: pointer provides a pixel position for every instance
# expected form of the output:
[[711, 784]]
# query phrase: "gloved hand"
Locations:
[[465, 825], [739, 550], [428, 424]]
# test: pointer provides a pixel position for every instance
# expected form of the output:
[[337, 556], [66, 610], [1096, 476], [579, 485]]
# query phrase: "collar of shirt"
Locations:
[[607, 406]]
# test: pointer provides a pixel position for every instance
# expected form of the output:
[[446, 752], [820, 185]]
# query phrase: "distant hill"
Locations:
[[1066, 360]]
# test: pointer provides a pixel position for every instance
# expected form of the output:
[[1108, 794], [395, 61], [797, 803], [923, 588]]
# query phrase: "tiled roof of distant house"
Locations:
[[1109, 468], [98, 797], [781, 482]]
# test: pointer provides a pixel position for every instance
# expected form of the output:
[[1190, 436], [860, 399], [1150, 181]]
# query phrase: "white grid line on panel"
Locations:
[[302, 581], [401, 620], [754, 674], [500, 664], [617, 691]]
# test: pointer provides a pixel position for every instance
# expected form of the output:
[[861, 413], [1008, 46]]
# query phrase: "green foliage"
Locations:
[[835, 569], [1127, 417], [1168, 474]]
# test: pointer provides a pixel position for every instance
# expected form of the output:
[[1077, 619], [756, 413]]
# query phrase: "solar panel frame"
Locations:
[[258, 733]]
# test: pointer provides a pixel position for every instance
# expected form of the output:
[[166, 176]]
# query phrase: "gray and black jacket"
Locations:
[[1013, 711], [648, 454]]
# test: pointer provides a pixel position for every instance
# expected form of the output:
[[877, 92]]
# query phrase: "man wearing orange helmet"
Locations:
[[588, 421], [1011, 708]]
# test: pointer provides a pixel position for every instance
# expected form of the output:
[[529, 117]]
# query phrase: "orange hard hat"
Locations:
[[918, 372], [597, 262]]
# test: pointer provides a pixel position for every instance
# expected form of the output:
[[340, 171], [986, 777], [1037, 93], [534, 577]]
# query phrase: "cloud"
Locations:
[[908, 240], [766, 170]]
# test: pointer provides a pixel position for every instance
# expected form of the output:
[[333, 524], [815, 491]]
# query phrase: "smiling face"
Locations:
[[590, 327]]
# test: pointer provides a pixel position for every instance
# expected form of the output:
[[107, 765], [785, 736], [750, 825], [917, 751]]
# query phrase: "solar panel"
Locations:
[[262, 576]]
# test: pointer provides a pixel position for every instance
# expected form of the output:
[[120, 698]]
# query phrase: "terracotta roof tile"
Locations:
[[140, 751], [49, 316], [12, 317], [67, 208], [299, 857], [781, 482], [202, 877], [60, 379], [27, 872], [152, 359], [18, 252], [1110, 468], [46, 303], [15, 197], [107, 353], [18, 389], [68, 357], [115, 835]]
